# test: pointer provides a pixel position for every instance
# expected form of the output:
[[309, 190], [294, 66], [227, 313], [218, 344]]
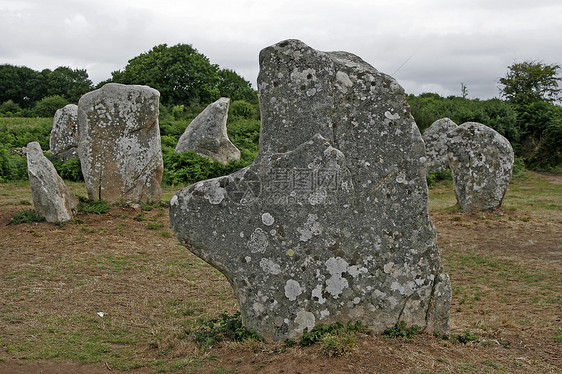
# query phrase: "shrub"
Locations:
[[242, 109], [47, 106], [9, 108], [26, 216], [400, 330], [435, 176], [213, 331], [12, 165], [86, 206], [189, 167], [319, 331], [338, 344]]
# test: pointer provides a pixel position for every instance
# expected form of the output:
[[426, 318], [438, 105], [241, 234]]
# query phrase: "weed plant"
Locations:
[[26, 216], [401, 330], [86, 206], [225, 327]]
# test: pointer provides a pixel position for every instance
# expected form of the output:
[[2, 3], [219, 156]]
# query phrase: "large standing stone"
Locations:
[[330, 222], [64, 138], [120, 150], [481, 161], [206, 134], [51, 198], [435, 139]]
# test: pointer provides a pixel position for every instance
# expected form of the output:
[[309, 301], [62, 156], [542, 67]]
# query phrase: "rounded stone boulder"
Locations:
[[435, 139], [481, 161]]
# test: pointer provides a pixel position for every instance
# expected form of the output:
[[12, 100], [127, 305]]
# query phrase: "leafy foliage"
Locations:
[[235, 87], [428, 108], [213, 331], [24, 86], [12, 166], [532, 88], [47, 106], [338, 344], [435, 176], [183, 76], [401, 330], [86, 206], [530, 81], [26, 216], [319, 331]]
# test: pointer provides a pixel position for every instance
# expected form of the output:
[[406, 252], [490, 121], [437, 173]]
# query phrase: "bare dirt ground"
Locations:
[[116, 292]]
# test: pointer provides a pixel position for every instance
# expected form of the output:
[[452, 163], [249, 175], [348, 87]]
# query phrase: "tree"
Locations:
[[67, 82], [530, 81], [19, 84], [235, 87], [184, 77], [180, 73], [25, 86]]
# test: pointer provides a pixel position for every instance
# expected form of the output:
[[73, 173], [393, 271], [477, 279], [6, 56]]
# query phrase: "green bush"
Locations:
[[321, 330], [400, 330], [86, 206], [435, 176], [189, 167], [26, 216], [243, 109], [9, 108], [47, 106], [213, 331], [12, 165]]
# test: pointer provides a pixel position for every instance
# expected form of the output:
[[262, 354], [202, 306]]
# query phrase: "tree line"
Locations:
[[181, 74], [527, 113]]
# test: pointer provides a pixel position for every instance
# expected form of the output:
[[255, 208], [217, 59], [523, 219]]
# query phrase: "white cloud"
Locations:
[[432, 45]]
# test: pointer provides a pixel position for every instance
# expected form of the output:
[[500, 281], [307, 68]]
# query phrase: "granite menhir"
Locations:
[[330, 223]]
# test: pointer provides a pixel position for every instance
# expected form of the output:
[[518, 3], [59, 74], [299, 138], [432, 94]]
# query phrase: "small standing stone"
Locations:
[[120, 150], [207, 136], [51, 198], [435, 139], [64, 138], [481, 161]]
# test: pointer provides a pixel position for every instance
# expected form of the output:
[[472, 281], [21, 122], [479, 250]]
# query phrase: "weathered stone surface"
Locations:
[[120, 150], [481, 161], [330, 222], [435, 138], [51, 198], [64, 138], [206, 134]]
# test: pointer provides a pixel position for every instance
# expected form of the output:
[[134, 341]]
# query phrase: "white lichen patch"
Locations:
[[304, 320], [212, 191], [317, 293], [269, 266], [267, 219], [311, 227], [292, 289], [343, 79], [391, 116], [336, 283], [258, 241]]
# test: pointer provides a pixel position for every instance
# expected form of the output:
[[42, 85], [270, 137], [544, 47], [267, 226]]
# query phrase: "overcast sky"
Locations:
[[427, 45]]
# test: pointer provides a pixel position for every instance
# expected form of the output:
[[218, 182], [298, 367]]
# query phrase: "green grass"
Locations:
[[86, 339], [19, 122]]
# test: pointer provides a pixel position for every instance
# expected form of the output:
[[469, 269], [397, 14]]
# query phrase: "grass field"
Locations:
[[117, 291]]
